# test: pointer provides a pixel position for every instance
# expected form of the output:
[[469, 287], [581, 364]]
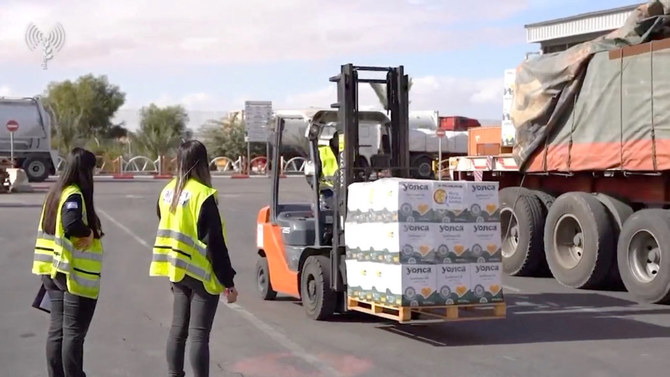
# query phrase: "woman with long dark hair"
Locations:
[[68, 257], [190, 250]]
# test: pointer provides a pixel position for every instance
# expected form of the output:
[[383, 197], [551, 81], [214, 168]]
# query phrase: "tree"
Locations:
[[67, 136], [225, 137], [93, 99], [161, 130]]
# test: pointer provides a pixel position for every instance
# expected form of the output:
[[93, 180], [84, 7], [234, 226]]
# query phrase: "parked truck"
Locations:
[[32, 141], [585, 191]]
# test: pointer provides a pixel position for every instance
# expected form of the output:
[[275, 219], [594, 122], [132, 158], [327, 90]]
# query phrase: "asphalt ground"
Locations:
[[549, 330]]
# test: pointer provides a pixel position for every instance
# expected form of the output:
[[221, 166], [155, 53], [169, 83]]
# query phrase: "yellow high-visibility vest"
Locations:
[[328, 165], [57, 253], [177, 251]]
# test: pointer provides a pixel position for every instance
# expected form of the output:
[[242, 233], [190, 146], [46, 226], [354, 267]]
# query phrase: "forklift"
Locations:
[[301, 246]]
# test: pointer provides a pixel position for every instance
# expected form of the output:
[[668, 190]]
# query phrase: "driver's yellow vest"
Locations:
[[177, 251], [328, 165], [56, 253]]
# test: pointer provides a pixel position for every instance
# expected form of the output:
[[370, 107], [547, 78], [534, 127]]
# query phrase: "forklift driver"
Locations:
[[328, 156]]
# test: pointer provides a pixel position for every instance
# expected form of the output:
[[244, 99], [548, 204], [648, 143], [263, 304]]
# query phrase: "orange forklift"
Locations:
[[301, 246]]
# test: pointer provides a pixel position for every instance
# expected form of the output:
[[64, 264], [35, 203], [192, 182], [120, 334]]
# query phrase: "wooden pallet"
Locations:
[[450, 313]]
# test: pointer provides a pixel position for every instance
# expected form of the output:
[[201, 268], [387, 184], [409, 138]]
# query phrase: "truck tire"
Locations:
[[521, 231], [422, 167], [263, 279], [545, 198], [644, 256], [580, 240], [36, 168], [318, 300], [547, 201], [619, 211]]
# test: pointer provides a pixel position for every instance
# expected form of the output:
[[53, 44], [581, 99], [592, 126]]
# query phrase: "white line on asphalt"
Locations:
[[507, 287], [125, 229], [278, 337]]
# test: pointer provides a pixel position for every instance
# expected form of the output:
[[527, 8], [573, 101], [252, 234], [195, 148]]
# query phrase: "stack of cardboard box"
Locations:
[[423, 243]]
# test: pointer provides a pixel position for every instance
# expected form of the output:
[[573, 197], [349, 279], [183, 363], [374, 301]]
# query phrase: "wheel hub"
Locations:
[[261, 280], [311, 287], [569, 241], [36, 167], [644, 256], [510, 232]]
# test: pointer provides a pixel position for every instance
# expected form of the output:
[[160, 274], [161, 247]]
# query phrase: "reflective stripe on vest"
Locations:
[[57, 253], [177, 251], [328, 164]]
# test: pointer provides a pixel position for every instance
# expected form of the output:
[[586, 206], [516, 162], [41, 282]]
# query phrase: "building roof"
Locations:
[[585, 23]]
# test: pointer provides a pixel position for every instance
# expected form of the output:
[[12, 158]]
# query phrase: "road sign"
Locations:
[[12, 125], [257, 116], [440, 134]]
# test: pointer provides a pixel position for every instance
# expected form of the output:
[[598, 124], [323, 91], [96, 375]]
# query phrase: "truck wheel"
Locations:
[[263, 279], [547, 201], [521, 230], [619, 211], [579, 239], [422, 168], [644, 256], [318, 299], [37, 169]]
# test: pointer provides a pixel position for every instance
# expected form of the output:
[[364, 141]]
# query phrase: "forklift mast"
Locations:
[[397, 161]]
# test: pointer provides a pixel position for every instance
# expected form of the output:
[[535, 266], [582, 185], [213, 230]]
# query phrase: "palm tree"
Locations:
[[161, 130]]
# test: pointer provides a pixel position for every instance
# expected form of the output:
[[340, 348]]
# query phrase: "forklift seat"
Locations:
[[380, 161], [299, 227]]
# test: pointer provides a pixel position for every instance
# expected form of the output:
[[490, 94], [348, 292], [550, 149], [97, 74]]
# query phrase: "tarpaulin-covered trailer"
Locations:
[[585, 191]]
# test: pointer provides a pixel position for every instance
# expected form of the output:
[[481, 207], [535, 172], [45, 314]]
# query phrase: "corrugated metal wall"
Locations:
[[570, 28]]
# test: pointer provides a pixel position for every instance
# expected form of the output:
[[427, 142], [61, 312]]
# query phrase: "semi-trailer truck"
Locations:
[[32, 141], [584, 194]]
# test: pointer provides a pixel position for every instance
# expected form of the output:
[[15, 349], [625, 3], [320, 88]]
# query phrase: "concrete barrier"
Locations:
[[18, 181]]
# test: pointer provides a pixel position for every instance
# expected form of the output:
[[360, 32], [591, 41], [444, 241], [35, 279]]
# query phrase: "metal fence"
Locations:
[[222, 165]]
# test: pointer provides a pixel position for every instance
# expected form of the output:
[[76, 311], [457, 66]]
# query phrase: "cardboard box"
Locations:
[[450, 201], [407, 285], [453, 284], [483, 201], [486, 282], [394, 243], [453, 242], [401, 200], [360, 279], [486, 243]]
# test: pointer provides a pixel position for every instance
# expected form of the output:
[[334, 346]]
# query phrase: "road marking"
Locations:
[[284, 341], [281, 339], [507, 287], [125, 229], [609, 310]]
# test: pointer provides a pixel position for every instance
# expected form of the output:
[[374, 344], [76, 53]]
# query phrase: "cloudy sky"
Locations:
[[211, 56]]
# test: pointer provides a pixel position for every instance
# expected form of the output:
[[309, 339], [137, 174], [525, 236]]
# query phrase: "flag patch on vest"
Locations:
[[183, 198], [71, 205]]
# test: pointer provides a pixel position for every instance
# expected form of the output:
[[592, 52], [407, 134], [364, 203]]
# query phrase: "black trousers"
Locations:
[[71, 316], [192, 317]]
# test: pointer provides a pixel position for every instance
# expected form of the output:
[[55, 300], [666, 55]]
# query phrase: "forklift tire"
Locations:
[[318, 299], [263, 279]]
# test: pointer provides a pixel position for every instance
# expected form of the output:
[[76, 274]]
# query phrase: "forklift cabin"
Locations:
[[301, 247]]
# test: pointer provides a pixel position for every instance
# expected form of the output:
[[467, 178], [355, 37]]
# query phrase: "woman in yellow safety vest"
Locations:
[[68, 257], [190, 250]]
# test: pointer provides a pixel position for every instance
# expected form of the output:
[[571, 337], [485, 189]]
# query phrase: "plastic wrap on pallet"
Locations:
[[588, 109]]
